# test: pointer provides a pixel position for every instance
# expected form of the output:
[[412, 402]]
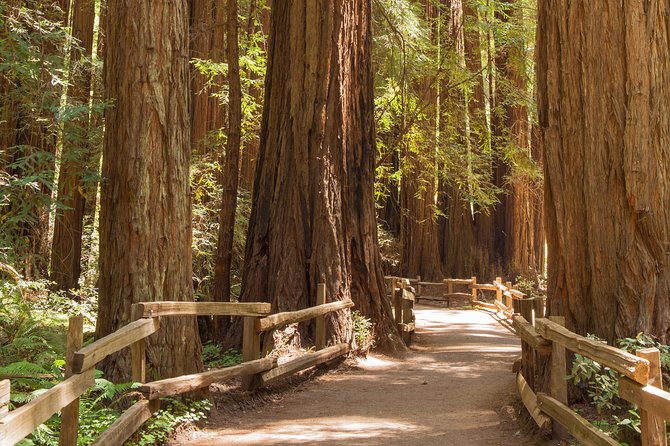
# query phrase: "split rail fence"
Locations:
[[640, 380], [255, 370]]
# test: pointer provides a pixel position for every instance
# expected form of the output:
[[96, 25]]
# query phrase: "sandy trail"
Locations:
[[454, 388]]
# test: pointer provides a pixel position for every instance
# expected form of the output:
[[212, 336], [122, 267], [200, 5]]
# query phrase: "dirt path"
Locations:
[[455, 388]]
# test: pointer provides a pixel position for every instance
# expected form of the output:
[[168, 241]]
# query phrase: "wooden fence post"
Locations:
[[406, 319], [70, 413], [528, 361], [558, 386], [538, 307], [251, 348], [418, 286], [5, 391], [652, 427], [320, 329], [499, 294], [474, 290], [138, 354], [397, 305]]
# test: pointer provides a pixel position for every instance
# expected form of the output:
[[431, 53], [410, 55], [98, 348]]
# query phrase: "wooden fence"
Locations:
[[640, 380], [402, 297], [255, 370]]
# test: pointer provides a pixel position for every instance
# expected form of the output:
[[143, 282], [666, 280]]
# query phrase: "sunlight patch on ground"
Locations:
[[375, 362], [324, 429]]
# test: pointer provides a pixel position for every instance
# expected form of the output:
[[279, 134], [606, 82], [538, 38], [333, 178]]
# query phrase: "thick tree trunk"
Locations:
[[224, 255], [519, 242], [76, 156], [418, 201], [604, 111], [466, 234], [313, 217], [145, 216]]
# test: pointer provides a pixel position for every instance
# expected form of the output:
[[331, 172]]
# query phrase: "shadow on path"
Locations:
[[454, 388]]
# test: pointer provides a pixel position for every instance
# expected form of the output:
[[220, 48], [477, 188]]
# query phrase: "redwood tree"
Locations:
[[604, 112], [69, 222], [313, 217], [224, 254], [145, 216]]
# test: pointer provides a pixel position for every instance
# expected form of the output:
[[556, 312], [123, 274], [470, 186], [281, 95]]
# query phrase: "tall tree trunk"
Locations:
[[145, 216], [216, 112], [519, 239], [224, 255], [604, 111], [418, 219], [313, 217], [201, 29], [459, 236], [257, 20], [76, 155]]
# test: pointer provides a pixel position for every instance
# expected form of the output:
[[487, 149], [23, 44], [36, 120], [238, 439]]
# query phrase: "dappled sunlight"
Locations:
[[446, 388], [318, 430]]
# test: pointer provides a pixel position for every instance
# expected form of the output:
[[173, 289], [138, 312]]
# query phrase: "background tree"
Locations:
[[145, 216], [76, 158], [231, 174], [603, 102]]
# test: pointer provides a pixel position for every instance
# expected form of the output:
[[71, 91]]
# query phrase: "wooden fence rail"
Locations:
[[640, 381], [80, 365]]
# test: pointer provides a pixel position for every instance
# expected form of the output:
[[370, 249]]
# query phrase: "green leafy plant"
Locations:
[[168, 421], [600, 383], [363, 333], [213, 356]]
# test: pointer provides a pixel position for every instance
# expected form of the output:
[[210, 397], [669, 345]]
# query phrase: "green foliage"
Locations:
[[527, 286], [34, 120], [207, 193], [166, 422], [214, 357], [364, 333], [601, 385]]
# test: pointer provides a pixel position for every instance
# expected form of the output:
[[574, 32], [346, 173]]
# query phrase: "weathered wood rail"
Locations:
[[402, 297], [640, 380], [255, 370]]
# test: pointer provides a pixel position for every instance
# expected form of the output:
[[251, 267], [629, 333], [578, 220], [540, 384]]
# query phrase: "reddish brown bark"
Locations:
[[201, 27], [224, 255], [604, 111], [313, 217], [418, 199], [145, 215]]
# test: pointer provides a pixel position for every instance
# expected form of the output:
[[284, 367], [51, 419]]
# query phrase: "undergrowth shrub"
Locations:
[[363, 333], [600, 387]]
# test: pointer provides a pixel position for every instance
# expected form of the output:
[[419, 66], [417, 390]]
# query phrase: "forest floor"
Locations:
[[455, 387]]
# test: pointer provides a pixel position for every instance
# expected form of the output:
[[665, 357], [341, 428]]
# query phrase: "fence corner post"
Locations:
[[652, 427], [138, 354], [558, 386], [474, 289], [320, 327], [70, 413], [251, 349], [397, 304], [499, 294]]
